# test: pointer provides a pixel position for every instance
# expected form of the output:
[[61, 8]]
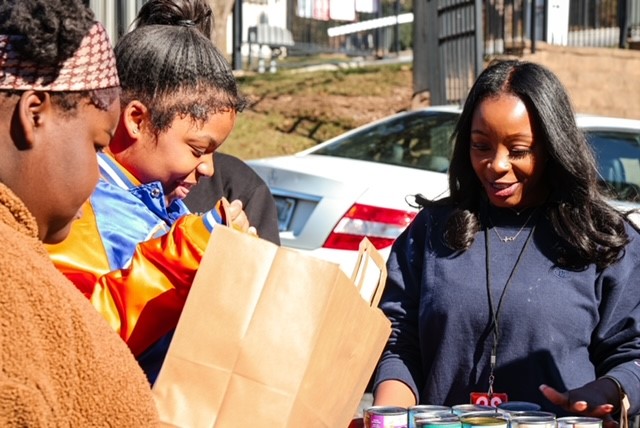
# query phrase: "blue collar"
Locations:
[[150, 194]]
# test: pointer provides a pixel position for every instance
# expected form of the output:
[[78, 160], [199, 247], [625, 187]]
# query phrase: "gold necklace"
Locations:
[[511, 238]]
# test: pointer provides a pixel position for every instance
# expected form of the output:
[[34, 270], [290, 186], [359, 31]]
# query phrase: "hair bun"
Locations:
[[179, 13]]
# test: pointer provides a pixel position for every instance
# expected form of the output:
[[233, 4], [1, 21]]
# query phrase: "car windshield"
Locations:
[[420, 139], [618, 155]]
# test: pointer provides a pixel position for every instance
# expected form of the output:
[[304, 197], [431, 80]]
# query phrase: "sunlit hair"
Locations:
[[588, 229], [176, 12], [175, 71]]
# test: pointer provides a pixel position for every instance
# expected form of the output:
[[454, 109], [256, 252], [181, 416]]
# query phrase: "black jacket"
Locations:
[[234, 179]]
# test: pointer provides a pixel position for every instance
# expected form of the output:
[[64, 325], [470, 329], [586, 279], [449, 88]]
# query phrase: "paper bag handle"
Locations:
[[624, 412], [366, 252], [223, 208]]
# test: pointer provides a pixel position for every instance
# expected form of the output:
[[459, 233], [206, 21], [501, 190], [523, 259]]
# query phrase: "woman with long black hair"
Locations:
[[524, 280]]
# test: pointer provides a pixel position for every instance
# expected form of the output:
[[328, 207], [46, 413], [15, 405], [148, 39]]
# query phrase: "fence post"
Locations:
[[533, 26], [436, 74], [396, 28], [479, 38], [378, 31], [237, 35], [422, 59], [623, 23]]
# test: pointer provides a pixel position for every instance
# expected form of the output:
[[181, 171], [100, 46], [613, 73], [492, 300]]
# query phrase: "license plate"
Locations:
[[285, 207]]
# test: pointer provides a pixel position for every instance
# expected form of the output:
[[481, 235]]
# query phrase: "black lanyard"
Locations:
[[496, 313]]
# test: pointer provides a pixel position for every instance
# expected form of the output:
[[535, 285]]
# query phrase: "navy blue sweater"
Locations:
[[558, 327]]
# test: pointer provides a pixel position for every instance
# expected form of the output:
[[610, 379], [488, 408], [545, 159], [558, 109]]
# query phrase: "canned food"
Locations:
[[484, 419], [426, 410], [438, 422], [460, 409], [385, 417], [579, 422], [535, 419]]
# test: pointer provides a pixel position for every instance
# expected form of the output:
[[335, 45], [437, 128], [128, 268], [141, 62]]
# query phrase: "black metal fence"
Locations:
[[452, 34], [509, 27], [512, 25], [604, 23]]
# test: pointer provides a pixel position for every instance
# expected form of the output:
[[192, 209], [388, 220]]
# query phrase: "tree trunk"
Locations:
[[221, 11]]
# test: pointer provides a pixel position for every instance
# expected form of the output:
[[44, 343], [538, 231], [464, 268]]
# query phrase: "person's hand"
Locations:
[[235, 217], [599, 399]]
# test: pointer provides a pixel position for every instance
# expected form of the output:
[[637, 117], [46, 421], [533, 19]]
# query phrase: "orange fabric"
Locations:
[[143, 301], [148, 296], [82, 263], [60, 363]]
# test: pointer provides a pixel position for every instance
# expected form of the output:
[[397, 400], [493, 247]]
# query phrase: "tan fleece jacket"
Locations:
[[62, 365]]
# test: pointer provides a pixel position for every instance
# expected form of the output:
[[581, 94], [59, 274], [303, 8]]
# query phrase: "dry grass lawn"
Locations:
[[290, 111]]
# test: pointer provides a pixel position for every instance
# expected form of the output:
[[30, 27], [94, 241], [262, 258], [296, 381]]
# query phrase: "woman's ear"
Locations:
[[33, 110], [133, 117]]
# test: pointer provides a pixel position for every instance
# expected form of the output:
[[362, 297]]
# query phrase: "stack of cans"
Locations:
[[515, 414], [487, 418], [522, 414], [385, 417], [579, 422], [432, 417]]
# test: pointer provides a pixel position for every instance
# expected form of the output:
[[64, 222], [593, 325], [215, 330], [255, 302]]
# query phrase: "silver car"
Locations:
[[363, 182]]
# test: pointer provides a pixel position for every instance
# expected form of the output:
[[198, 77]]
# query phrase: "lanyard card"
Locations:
[[486, 399]]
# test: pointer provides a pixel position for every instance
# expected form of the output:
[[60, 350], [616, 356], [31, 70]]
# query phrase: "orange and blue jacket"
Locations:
[[135, 258]]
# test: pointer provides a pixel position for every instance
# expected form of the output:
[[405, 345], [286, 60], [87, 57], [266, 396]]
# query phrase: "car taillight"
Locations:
[[381, 225]]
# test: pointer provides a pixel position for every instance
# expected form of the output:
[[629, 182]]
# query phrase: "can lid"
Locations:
[[578, 420], [465, 408], [436, 419], [534, 420], [483, 420], [386, 410], [532, 414], [434, 414], [428, 407], [422, 423]]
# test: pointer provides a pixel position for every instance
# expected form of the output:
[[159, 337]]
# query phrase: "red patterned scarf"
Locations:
[[93, 66]]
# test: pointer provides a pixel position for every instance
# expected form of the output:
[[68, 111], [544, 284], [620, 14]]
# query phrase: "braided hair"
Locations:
[[174, 68], [176, 12]]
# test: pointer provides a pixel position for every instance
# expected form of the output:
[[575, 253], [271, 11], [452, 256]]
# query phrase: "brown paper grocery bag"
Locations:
[[271, 337]]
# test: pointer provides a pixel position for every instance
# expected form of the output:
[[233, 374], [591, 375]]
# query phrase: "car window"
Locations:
[[618, 156], [418, 140]]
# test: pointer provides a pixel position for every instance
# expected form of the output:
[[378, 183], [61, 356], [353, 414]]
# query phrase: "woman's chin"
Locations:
[[58, 234], [179, 192]]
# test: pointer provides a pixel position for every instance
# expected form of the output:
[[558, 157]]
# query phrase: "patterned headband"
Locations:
[[92, 66]]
